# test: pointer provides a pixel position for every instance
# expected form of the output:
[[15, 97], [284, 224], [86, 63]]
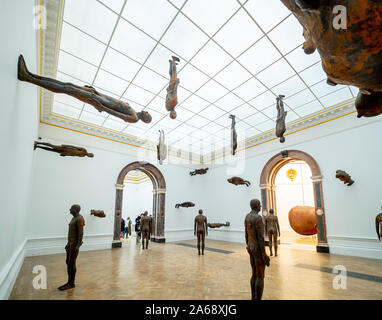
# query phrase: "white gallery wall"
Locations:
[[18, 129]]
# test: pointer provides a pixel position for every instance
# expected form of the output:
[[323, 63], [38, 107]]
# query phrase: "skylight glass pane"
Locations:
[[183, 114], [110, 83], [211, 59], [139, 95], [265, 126], [65, 110], [337, 97], [271, 111], [132, 42], [195, 104], [211, 91], [186, 129], [158, 104], [267, 13], [313, 74], [258, 57], [170, 123], [244, 111], [263, 101], [224, 120], [229, 102], [81, 45], [177, 3], [114, 125], [291, 116], [96, 119], [251, 132], [192, 78], [115, 5], [197, 121], [322, 88], [256, 119], [300, 60], [150, 80], [276, 73], [76, 68], [299, 99], [242, 126], [156, 116], [212, 112], [232, 76], [159, 61], [232, 38], [309, 108], [184, 38], [212, 128], [86, 15], [250, 89], [287, 35], [152, 16], [68, 100], [210, 15], [120, 65], [289, 87]]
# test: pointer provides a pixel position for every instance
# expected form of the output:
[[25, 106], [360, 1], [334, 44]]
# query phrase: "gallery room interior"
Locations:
[[191, 149]]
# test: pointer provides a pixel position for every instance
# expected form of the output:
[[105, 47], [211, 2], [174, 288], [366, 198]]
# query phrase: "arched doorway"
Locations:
[[159, 197], [268, 195]]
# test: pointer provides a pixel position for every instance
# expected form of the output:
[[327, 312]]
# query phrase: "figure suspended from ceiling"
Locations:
[[161, 148], [233, 135], [280, 121], [86, 94], [172, 89], [64, 150]]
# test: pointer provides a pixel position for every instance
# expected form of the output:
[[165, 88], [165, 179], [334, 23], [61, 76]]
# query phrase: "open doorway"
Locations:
[[294, 196]]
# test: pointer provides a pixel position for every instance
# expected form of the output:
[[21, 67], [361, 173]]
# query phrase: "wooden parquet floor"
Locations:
[[170, 271]]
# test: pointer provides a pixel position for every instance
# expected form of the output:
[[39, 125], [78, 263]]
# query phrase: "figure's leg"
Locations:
[[253, 277], [259, 284], [275, 240], [46, 148], [143, 239], [270, 242], [198, 243], [203, 242], [71, 269]]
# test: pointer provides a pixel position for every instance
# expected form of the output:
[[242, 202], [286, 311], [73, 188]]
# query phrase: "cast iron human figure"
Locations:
[[218, 225], [172, 89], [64, 149], [146, 226], [98, 213], [254, 238], [198, 171], [75, 234], [280, 121], [233, 135], [161, 148], [272, 228], [201, 229], [186, 204], [378, 225], [238, 181], [86, 94], [344, 177]]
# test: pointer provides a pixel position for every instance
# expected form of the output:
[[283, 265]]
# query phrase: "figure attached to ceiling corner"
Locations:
[[86, 94], [161, 148], [233, 135], [280, 121], [172, 89]]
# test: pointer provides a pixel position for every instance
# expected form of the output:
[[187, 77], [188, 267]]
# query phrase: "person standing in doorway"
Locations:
[[122, 228], [138, 227], [128, 227], [125, 230], [272, 228]]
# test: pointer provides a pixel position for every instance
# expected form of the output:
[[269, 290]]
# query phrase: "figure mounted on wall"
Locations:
[[98, 213], [186, 204], [272, 228], [172, 89], [238, 181], [201, 230], [86, 94], [64, 150], [75, 235], [254, 238], [378, 225], [280, 121], [146, 227], [161, 148], [348, 41], [218, 225], [198, 171], [345, 177], [233, 135]]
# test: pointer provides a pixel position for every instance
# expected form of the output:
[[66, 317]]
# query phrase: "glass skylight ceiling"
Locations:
[[235, 58]]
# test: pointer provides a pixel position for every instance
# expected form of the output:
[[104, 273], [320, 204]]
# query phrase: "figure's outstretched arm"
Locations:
[[206, 226]]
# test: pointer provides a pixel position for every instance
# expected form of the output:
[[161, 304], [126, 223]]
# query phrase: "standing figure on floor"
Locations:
[[138, 228], [272, 228], [280, 121], [378, 225], [75, 234], [64, 149], [172, 89], [254, 238], [233, 135], [87, 94], [146, 227], [201, 230], [161, 148]]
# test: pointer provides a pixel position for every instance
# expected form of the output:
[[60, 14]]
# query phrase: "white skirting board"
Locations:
[[224, 234], [179, 235], [44, 246]]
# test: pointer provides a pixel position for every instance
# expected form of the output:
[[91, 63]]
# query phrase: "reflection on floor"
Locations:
[[171, 271], [294, 240]]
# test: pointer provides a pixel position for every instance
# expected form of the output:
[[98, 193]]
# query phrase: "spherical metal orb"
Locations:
[[172, 114], [303, 220]]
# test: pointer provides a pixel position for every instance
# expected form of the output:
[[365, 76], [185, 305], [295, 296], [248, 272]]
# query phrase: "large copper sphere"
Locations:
[[303, 220]]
